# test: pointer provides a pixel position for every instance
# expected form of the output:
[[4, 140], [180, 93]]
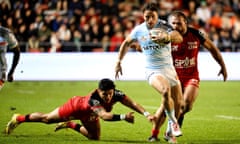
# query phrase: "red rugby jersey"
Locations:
[[185, 54]]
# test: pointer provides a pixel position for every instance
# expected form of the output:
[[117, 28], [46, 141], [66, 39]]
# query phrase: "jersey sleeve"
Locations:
[[199, 34], [95, 100], [119, 96], [9, 37], [12, 41], [133, 34]]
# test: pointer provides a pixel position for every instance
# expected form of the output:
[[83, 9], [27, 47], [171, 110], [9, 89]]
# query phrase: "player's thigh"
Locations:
[[54, 115], [159, 82], [93, 128]]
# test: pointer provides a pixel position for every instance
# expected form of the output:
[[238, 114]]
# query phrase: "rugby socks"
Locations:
[[155, 133], [168, 130], [23, 118], [74, 126], [171, 115]]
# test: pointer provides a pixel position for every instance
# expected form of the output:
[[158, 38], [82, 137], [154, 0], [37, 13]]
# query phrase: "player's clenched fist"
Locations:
[[130, 117]]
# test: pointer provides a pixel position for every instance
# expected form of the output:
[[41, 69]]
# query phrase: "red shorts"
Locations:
[[189, 81], [77, 107]]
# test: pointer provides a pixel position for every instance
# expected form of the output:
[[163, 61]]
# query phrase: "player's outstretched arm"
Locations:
[[137, 107], [107, 116]]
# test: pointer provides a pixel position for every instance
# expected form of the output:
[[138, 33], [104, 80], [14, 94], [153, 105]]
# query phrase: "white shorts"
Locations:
[[168, 73]]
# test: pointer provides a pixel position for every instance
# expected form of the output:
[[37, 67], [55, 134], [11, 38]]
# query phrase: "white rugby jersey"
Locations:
[[7, 39], [157, 56]]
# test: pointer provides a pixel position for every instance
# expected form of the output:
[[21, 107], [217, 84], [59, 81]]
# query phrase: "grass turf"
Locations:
[[214, 119]]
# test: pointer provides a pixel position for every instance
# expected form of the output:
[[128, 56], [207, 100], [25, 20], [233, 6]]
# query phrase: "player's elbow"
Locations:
[[105, 116]]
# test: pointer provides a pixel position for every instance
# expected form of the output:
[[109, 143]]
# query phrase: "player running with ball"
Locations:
[[160, 71], [185, 59]]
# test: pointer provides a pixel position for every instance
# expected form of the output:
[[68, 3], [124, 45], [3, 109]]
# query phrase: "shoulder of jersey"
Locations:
[[4, 30]]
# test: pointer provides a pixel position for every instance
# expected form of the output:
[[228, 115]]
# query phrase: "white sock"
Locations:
[[168, 131], [171, 116]]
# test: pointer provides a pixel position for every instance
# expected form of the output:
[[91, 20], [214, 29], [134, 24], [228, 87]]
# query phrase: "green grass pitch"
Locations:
[[214, 119]]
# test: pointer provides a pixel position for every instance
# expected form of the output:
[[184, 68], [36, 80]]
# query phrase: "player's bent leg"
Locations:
[[176, 94], [53, 117], [160, 119], [161, 84], [91, 129], [190, 94], [17, 119]]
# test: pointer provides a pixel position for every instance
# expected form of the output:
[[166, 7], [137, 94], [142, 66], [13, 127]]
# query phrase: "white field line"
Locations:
[[228, 117], [218, 116]]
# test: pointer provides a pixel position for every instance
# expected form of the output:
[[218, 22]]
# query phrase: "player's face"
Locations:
[[178, 23], [106, 95], [151, 18]]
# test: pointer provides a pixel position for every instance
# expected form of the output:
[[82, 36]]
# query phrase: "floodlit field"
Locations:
[[214, 119]]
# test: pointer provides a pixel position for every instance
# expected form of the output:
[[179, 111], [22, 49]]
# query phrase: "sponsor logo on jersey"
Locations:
[[185, 63]]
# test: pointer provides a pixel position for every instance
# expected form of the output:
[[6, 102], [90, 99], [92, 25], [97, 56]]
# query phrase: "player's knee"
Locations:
[[165, 92], [48, 120]]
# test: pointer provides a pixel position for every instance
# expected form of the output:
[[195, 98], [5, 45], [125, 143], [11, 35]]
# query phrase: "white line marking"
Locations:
[[228, 117]]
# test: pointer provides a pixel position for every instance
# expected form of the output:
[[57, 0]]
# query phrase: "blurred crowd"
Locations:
[[101, 25]]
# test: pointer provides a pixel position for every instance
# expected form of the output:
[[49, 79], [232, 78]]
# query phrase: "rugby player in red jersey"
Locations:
[[185, 58], [88, 109]]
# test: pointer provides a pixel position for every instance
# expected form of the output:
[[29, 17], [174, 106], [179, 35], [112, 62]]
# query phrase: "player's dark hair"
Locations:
[[178, 14], [106, 84], [150, 6]]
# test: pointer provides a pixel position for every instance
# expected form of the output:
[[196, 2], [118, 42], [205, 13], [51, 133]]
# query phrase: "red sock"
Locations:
[[71, 125], [21, 118], [155, 132]]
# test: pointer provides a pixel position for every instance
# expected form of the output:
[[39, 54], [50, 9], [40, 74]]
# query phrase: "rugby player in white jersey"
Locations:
[[160, 71], [7, 40]]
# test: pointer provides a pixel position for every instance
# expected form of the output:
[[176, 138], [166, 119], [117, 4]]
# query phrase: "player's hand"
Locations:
[[159, 36], [151, 118], [223, 71], [10, 77], [130, 117], [118, 70]]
